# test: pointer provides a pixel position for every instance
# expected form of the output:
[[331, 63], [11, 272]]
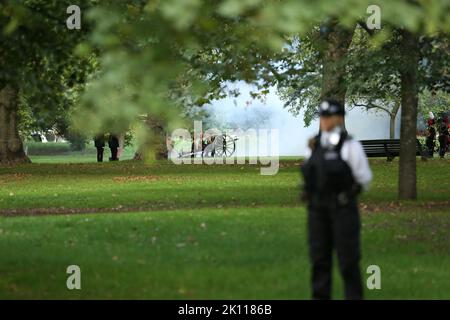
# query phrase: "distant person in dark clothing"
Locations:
[[443, 137], [430, 140], [99, 142], [113, 144]]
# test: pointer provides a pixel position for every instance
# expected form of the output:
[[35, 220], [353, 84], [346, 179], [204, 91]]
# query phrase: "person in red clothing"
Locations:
[[448, 140]]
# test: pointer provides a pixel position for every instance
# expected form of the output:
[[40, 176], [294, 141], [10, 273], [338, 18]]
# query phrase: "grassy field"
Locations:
[[166, 231], [60, 152]]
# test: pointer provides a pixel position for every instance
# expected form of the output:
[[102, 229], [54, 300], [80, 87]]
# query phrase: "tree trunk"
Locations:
[[121, 145], [156, 143], [338, 40], [11, 146], [407, 188], [392, 127], [393, 116]]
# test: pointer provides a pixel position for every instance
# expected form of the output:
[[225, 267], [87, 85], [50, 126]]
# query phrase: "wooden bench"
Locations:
[[386, 148]]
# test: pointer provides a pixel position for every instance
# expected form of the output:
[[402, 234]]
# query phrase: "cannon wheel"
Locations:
[[224, 146]]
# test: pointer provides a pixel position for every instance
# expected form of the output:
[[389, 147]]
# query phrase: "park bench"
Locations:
[[386, 148]]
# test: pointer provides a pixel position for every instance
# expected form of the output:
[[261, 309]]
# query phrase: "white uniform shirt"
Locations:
[[352, 152]]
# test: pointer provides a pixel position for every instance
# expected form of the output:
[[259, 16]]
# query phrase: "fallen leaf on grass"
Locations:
[[135, 178], [14, 177]]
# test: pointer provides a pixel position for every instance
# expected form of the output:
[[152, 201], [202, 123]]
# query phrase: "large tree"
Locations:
[[381, 75], [373, 75], [38, 66]]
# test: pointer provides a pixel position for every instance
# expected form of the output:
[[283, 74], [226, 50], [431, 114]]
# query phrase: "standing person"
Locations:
[[113, 143], [99, 142], [443, 137], [448, 139], [431, 137], [335, 171]]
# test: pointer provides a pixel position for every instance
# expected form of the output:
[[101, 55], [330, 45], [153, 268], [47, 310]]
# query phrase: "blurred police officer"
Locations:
[[335, 171]]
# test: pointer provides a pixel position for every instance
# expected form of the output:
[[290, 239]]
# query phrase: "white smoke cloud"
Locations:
[[293, 135]]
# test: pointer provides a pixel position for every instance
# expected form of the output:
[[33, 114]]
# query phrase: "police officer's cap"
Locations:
[[330, 108]]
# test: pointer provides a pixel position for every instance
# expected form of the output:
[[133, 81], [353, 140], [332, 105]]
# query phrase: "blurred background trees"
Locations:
[[156, 59]]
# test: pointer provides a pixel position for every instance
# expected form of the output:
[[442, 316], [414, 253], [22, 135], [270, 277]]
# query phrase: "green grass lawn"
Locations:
[[60, 153], [205, 231]]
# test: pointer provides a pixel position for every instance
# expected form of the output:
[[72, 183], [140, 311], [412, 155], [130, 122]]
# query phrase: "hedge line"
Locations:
[[53, 148]]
